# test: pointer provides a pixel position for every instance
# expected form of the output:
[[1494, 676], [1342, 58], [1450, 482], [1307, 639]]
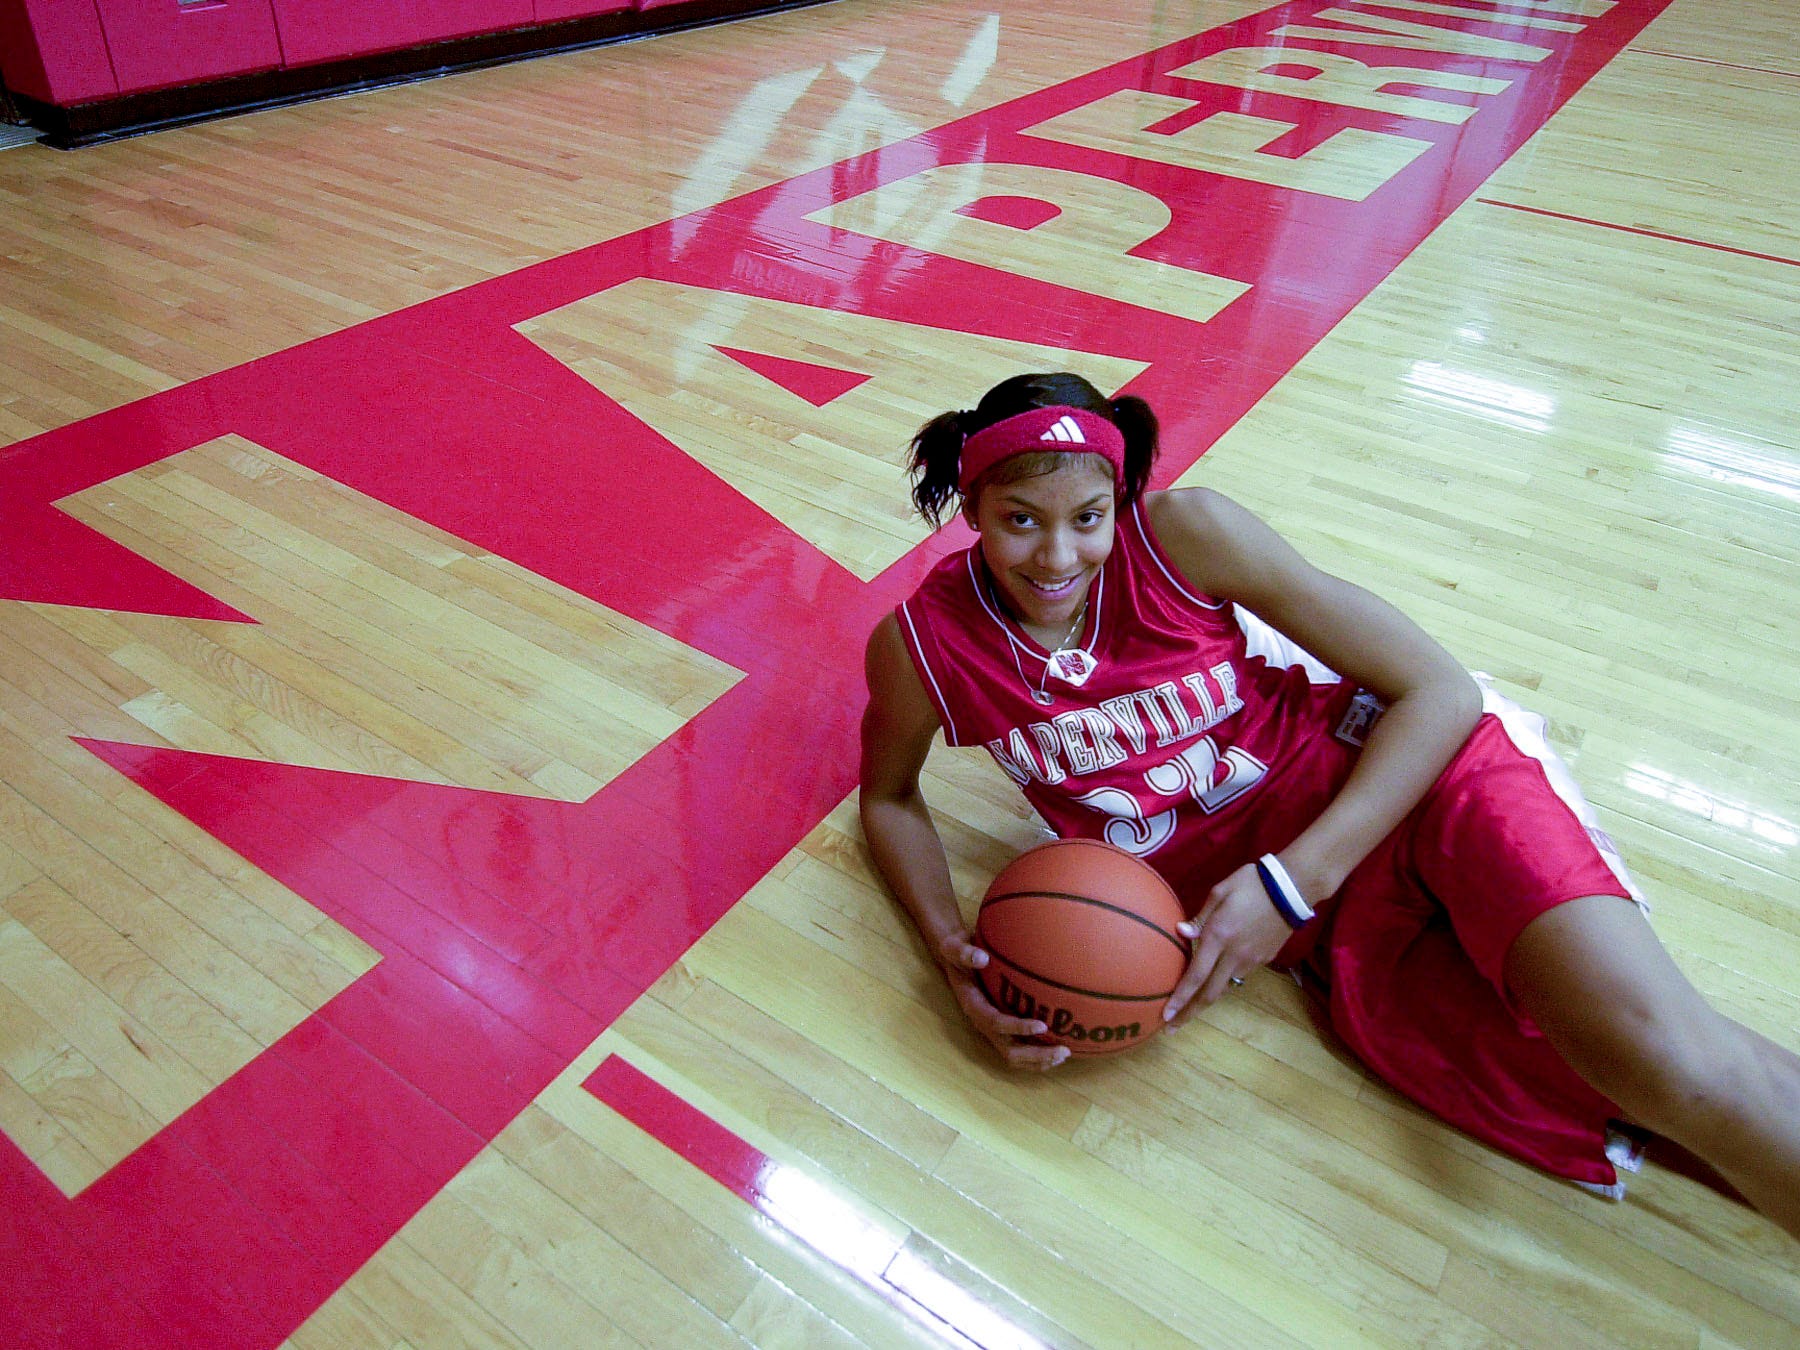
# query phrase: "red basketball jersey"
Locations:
[[1181, 728]]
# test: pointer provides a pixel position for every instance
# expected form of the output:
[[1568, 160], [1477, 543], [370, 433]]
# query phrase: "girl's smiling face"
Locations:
[[1044, 540]]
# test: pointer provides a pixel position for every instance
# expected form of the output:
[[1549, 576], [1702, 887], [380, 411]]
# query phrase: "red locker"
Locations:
[[457, 18], [326, 30], [54, 51], [547, 11], [155, 43]]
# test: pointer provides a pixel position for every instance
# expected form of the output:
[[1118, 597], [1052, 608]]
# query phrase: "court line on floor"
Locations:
[[831, 1226], [1648, 234], [1710, 61]]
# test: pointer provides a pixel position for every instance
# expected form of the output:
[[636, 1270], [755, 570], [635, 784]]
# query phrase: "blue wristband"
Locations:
[[1282, 892]]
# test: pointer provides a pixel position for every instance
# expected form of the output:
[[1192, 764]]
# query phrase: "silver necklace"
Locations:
[[1073, 664], [1080, 615]]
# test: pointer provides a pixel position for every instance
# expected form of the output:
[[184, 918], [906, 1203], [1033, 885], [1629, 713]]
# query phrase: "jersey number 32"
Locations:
[[1199, 773]]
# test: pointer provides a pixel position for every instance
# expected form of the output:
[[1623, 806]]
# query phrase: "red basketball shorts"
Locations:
[[1495, 845]]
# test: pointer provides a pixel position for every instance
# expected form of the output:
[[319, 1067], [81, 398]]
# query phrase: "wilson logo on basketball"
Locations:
[[1019, 1002]]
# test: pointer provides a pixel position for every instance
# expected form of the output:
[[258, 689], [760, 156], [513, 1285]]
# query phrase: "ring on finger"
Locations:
[[1234, 981]]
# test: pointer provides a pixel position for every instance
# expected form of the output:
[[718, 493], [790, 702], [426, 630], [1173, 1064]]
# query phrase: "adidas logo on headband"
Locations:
[[1057, 429]]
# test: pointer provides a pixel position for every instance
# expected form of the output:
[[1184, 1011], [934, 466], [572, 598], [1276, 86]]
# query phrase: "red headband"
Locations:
[[1070, 430]]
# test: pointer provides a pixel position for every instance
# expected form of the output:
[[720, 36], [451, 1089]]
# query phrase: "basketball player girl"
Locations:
[[1318, 780]]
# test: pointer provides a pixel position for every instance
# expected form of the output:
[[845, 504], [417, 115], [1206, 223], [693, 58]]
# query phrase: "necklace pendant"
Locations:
[[1042, 696], [1071, 665]]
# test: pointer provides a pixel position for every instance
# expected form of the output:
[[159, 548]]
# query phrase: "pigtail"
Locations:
[[1135, 420], [936, 456]]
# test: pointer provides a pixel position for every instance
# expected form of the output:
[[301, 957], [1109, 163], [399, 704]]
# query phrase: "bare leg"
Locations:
[[1596, 980]]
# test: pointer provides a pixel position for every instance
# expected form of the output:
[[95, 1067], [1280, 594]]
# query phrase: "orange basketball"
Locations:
[[1081, 936]]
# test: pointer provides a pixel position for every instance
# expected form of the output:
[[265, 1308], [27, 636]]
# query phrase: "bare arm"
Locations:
[[897, 731], [1432, 705]]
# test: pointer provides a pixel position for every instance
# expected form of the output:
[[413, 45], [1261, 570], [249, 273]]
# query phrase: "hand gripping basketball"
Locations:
[[1019, 1040], [1236, 931]]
